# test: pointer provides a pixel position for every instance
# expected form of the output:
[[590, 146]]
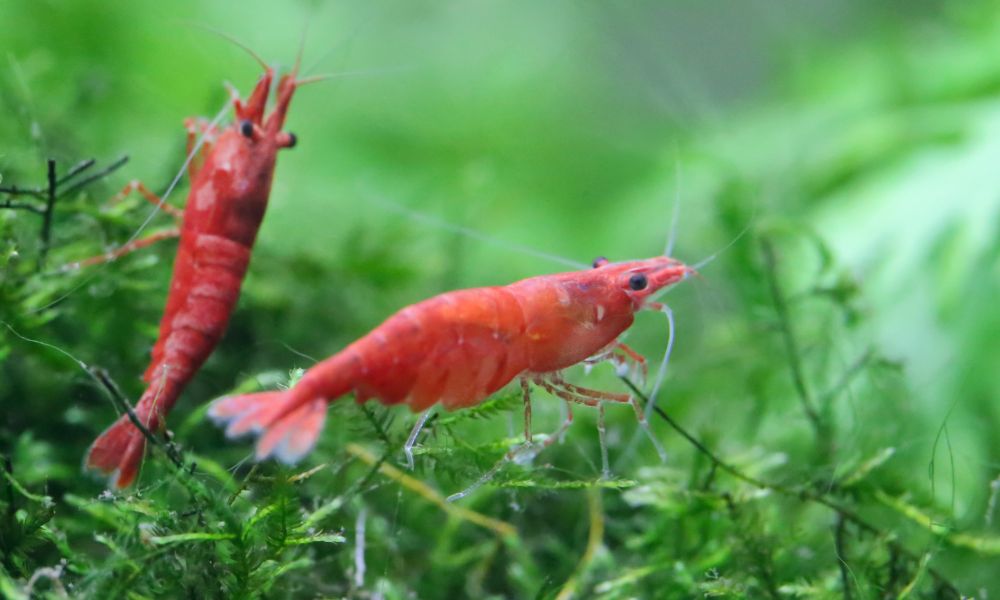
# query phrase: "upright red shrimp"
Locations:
[[229, 192], [459, 347]]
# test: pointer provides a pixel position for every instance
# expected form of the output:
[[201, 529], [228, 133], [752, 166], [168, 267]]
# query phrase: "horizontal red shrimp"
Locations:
[[230, 185], [462, 346]]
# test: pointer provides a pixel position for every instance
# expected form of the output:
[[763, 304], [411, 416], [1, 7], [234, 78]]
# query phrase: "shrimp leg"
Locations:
[[526, 392], [123, 250], [638, 360], [137, 186], [526, 451], [594, 397], [571, 394], [412, 440], [519, 454], [602, 436], [195, 127], [134, 186], [621, 355]]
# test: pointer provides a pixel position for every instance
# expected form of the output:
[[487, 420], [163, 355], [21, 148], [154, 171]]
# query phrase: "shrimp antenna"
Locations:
[[232, 40], [359, 72], [316, 79], [716, 254], [672, 236], [302, 48], [662, 370], [468, 232]]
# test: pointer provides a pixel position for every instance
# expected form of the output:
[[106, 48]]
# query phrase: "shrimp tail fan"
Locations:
[[118, 453], [286, 428]]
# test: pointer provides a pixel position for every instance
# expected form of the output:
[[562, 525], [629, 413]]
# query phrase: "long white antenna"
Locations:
[[661, 372], [471, 233], [708, 259], [674, 219]]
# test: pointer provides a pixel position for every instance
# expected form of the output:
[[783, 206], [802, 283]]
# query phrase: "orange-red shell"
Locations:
[[459, 347]]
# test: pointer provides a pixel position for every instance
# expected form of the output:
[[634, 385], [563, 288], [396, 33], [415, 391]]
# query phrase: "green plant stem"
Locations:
[[791, 345], [802, 494], [840, 547], [847, 376]]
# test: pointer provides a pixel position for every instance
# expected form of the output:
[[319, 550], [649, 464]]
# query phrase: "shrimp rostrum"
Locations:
[[460, 347]]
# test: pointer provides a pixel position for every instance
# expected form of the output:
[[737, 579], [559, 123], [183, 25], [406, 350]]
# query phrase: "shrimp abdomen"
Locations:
[[456, 348]]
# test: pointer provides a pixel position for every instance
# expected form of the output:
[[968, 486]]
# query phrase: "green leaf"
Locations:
[[164, 540]]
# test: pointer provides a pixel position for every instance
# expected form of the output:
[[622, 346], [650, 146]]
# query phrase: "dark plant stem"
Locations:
[[8, 466], [98, 175], [22, 206], [50, 204], [51, 193], [848, 375], [840, 547], [76, 169], [792, 349], [122, 404], [16, 191]]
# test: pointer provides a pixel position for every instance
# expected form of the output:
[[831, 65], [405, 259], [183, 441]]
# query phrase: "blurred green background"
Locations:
[[841, 158]]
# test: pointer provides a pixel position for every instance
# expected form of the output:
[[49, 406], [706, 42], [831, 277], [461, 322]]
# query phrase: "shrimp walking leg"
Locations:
[[638, 360], [195, 128], [526, 392], [594, 397], [126, 249], [625, 359], [412, 440], [137, 186], [518, 454], [602, 436]]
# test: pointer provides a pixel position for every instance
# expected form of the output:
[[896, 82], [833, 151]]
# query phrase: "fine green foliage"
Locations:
[[830, 409]]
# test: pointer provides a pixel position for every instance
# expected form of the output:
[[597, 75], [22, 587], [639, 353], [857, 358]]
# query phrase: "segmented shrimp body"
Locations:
[[458, 348], [231, 182]]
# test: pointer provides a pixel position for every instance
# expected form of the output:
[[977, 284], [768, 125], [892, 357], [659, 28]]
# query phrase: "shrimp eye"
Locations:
[[600, 261], [246, 128], [292, 140], [638, 282]]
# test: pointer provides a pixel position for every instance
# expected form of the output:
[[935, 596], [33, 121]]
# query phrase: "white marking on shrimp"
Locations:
[[564, 298]]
